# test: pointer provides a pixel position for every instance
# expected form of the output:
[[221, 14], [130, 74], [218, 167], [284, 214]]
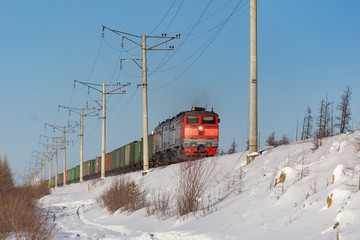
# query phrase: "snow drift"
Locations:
[[289, 192]]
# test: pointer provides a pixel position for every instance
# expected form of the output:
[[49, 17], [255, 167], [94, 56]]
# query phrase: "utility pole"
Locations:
[[93, 86], [32, 168], [43, 168], [145, 107], [56, 162], [51, 156], [64, 157], [253, 113], [143, 37], [82, 115], [62, 129], [37, 156], [103, 140], [297, 128], [46, 146], [33, 175], [28, 170], [81, 144]]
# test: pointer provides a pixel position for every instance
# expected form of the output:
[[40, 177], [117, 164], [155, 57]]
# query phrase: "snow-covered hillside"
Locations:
[[319, 199]]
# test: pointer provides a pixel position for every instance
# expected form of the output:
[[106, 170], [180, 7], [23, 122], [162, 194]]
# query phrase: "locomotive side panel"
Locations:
[[172, 134], [167, 136]]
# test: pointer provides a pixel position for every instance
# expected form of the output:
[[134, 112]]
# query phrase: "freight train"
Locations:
[[188, 135]]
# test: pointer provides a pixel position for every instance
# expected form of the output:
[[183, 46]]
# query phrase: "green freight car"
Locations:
[[151, 144], [77, 173], [127, 155], [132, 153], [138, 152], [72, 174], [123, 159], [115, 155]]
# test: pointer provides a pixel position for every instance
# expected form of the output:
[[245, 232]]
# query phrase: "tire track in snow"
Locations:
[[119, 229], [72, 224]]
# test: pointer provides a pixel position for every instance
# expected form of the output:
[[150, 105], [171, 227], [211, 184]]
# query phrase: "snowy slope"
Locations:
[[248, 204]]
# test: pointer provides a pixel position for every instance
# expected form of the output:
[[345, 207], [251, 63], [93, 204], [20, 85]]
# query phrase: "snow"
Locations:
[[245, 201]]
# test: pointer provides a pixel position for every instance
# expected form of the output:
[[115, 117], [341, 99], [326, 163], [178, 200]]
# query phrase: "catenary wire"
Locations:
[[207, 46], [162, 63], [162, 19], [177, 65]]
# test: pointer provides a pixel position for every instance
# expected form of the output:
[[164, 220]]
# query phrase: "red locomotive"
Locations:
[[192, 133]]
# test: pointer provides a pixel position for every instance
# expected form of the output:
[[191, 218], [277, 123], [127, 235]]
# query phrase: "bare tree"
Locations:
[[233, 147], [327, 118], [195, 179], [271, 140], [284, 140], [6, 176], [21, 216], [303, 128], [124, 195], [320, 132], [309, 121], [307, 125], [320, 125], [324, 119], [345, 112]]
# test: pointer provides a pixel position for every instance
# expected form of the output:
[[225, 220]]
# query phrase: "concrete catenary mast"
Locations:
[[144, 84], [253, 118], [51, 156], [145, 107], [115, 89]]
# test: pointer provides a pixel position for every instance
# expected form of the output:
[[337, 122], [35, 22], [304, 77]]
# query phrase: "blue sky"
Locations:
[[307, 51]]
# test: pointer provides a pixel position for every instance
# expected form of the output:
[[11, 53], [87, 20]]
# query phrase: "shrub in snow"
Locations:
[[21, 217], [6, 177], [282, 178], [195, 179], [329, 200], [123, 195], [159, 205]]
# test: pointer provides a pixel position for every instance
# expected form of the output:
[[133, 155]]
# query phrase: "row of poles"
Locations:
[[92, 111], [253, 114]]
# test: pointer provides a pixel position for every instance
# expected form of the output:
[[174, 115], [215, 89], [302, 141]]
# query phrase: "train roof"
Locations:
[[194, 110]]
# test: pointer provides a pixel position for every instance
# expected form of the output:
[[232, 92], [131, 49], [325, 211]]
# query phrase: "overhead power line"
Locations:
[[162, 19], [205, 48], [144, 49], [115, 90]]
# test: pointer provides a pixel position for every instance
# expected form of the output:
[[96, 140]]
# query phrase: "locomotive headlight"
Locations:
[[201, 128]]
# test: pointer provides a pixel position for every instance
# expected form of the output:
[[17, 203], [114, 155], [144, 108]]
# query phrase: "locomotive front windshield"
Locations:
[[208, 120], [192, 119]]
